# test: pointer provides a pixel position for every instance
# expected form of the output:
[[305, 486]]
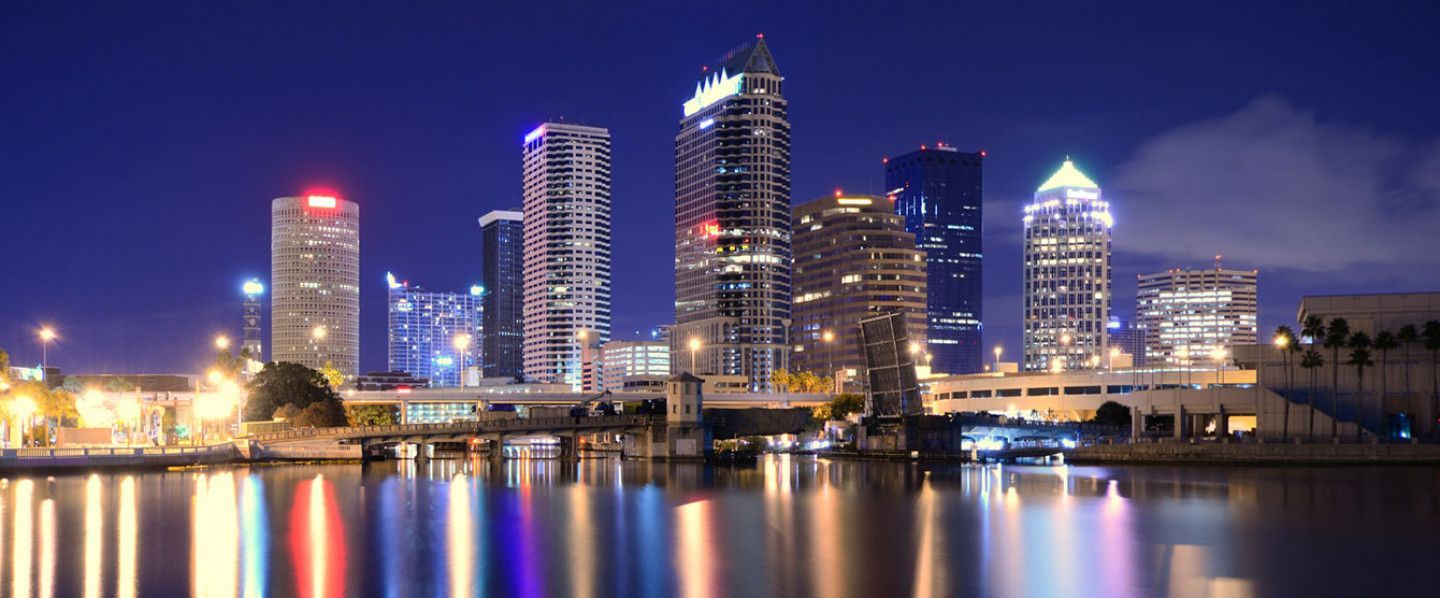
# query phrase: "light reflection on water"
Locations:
[[793, 526]]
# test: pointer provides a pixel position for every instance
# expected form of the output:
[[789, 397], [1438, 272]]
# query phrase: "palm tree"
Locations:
[[1385, 342], [1408, 336], [1359, 344], [1431, 334], [1287, 343], [1311, 361], [1337, 334]]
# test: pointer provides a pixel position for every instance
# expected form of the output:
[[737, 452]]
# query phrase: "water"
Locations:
[[785, 527]]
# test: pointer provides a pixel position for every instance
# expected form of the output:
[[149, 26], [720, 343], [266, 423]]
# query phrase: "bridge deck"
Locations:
[[537, 425]]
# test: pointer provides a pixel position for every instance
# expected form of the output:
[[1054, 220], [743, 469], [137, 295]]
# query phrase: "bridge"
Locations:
[[480, 396], [494, 430]]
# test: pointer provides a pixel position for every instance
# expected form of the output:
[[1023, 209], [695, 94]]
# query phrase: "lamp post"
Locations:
[[998, 351], [829, 338], [462, 344], [694, 347], [46, 335], [222, 342]]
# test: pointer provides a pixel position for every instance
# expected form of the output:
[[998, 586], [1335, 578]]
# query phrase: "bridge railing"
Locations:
[[467, 427], [46, 453]]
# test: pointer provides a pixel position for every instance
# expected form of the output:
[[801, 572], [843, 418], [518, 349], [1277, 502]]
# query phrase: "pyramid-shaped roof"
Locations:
[[1068, 176], [753, 57]]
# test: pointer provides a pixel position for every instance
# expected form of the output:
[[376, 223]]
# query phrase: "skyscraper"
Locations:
[[566, 248], [502, 274], [732, 220], [251, 344], [422, 328], [1067, 273], [1189, 315], [315, 282], [940, 193], [854, 260]]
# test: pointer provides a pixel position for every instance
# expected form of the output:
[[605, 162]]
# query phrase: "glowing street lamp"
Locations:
[[694, 348], [222, 342], [998, 351], [462, 342], [319, 332], [47, 334]]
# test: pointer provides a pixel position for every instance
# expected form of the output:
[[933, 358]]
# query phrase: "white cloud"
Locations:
[[1270, 186]]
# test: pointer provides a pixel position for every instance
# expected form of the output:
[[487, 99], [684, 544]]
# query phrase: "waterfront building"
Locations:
[[1372, 313], [732, 220], [252, 346], [622, 360], [1191, 316], [1128, 338], [566, 264], [1067, 288], [854, 259], [940, 193], [315, 282], [502, 276], [389, 381], [423, 328]]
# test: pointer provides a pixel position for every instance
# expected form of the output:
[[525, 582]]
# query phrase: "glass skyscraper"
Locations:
[[422, 328], [732, 220], [501, 274], [940, 193]]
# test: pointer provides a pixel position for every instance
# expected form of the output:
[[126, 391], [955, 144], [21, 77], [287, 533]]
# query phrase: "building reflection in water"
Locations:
[[127, 534], [94, 528], [930, 565], [47, 547], [22, 562], [461, 537], [254, 537], [317, 540], [215, 538], [582, 546], [694, 551]]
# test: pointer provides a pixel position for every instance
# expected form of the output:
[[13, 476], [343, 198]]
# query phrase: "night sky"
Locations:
[[141, 144]]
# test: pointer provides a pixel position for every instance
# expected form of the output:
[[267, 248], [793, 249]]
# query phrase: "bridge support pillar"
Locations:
[[1222, 423], [1182, 423], [1137, 422], [569, 446]]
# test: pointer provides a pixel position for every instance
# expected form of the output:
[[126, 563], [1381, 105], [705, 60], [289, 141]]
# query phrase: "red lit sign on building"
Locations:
[[712, 229], [321, 201]]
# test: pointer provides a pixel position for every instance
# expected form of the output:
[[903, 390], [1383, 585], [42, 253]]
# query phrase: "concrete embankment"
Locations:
[[1270, 453], [59, 460]]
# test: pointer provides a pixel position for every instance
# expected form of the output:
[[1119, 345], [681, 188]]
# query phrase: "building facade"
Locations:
[[632, 360], [566, 265], [422, 330], [1129, 338], [940, 193], [315, 282], [732, 220], [854, 259], [1067, 290], [251, 343], [1189, 315], [502, 273]]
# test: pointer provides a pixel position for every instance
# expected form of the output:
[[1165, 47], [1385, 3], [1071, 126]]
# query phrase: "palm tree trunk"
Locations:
[[1384, 390], [1285, 427], [1335, 394], [1310, 402], [1359, 398]]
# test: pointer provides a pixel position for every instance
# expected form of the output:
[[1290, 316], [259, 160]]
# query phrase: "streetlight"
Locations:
[[829, 338], [319, 332], [998, 351], [462, 342], [222, 342], [694, 347], [46, 335]]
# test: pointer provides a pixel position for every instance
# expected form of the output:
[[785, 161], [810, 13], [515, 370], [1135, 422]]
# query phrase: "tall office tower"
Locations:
[[1067, 273], [1129, 338], [732, 220], [315, 282], [1189, 315], [251, 344], [432, 335], [854, 260], [502, 275], [566, 248], [940, 193]]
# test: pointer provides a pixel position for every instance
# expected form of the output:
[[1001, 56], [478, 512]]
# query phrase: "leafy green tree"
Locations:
[[1337, 336], [284, 383], [320, 414], [4, 366], [846, 403], [118, 384], [332, 376], [372, 415], [1114, 414], [228, 364]]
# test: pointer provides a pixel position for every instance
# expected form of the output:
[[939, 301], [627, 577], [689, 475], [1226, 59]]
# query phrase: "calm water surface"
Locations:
[[785, 527]]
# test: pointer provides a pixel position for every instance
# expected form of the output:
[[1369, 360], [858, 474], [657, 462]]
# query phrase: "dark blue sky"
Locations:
[[140, 145]]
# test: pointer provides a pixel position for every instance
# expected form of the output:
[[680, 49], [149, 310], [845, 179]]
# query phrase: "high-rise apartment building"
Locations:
[[1190, 316], [1129, 338], [502, 275], [251, 343], [1067, 273], [566, 248], [940, 193], [732, 220], [315, 282], [432, 335], [854, 260]]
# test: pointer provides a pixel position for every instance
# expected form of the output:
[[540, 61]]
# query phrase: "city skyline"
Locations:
[[199, 298]]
